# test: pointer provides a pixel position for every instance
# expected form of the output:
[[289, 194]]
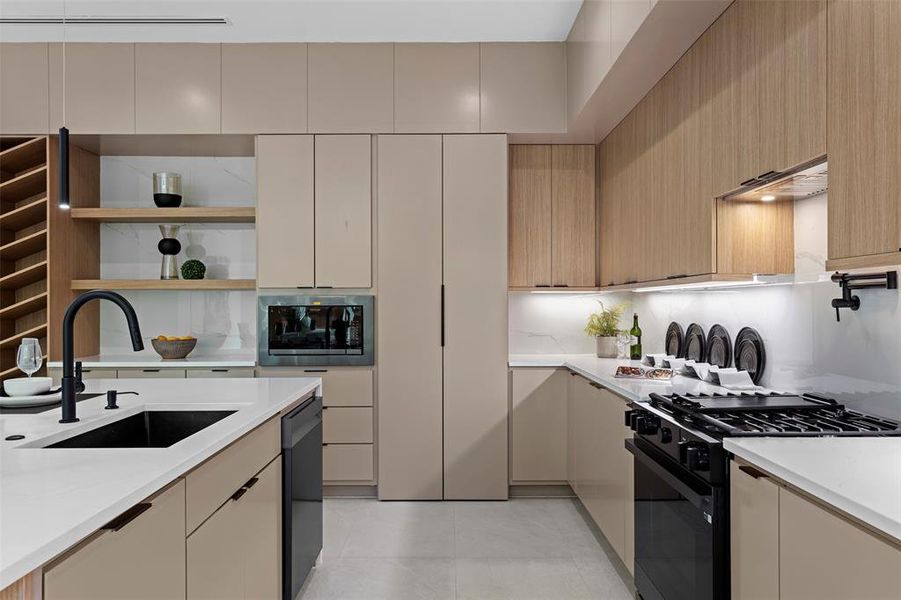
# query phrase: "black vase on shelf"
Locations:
[[167, 190]]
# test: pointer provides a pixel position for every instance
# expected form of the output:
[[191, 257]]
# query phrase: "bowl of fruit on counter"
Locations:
[[171, 347]]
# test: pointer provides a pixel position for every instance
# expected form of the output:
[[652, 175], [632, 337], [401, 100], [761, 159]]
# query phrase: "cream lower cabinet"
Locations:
[[129, 559], [603, 467], [786, 546], [754, 527], [538, 422], [823, 556], [235, 553]]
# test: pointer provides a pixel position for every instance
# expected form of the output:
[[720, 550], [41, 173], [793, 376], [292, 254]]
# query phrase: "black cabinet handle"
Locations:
[[237, 495], [315, 370], [542, 285], [561, 285], [442, 315], [755, 473], [251, 482], [150, 370], [127, 517], [219, 370], [676, 276]]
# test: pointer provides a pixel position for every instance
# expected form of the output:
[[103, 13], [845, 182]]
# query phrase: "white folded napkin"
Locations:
[[676, 364], [734, 379]]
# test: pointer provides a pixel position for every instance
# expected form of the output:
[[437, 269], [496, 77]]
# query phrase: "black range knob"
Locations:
[[696, 456], [666, 435], [647, 424]]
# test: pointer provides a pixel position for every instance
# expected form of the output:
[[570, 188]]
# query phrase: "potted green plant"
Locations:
[[604, 325]]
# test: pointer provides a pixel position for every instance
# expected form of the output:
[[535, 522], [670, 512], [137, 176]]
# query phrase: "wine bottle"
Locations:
[[635, 332]]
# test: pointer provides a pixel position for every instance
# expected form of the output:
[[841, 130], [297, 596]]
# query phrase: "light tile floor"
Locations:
[[523, 549]]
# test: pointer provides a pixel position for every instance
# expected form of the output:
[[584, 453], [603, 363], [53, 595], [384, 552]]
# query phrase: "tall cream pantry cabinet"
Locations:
[[442, 319]]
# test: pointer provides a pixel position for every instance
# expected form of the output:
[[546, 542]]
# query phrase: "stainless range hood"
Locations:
[[803, 181]]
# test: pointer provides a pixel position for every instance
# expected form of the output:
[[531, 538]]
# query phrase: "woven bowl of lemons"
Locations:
[[173, 347]]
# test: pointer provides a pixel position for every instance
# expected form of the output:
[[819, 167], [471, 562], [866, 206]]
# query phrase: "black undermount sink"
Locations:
[[147, 429]]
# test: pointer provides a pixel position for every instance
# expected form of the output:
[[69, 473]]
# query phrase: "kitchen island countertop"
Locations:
[[52, 498]]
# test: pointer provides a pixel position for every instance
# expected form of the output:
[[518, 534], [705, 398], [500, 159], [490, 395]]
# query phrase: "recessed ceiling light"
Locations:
[[768, 197]]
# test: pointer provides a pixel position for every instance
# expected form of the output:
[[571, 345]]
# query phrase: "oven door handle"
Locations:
[[700, 501]]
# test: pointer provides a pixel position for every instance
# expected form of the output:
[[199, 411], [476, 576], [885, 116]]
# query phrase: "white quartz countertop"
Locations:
[[859, 476], [50, 499], [601, 370], [144, 360]]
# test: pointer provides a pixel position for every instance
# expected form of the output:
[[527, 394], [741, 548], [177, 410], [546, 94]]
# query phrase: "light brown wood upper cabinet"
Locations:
[[177, 88], [754, 531], [99, 88], [24, 88], [816, 547], [351, 88], [552, 216], [236, 552], [436, 88], [285, 248], [538, 425], [863, 144], [131, 559], [264, 88], [782, 85], [523, 87], [343, 207]]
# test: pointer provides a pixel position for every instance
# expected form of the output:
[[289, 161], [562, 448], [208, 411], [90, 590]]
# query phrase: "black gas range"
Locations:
[[681, 477]]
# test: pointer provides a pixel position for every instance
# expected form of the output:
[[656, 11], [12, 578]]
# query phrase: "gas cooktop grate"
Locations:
[[777, 415]]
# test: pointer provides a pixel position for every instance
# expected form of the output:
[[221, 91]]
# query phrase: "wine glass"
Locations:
[[29, 358]]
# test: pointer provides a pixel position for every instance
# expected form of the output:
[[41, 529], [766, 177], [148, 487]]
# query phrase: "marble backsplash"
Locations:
[[220, 320]]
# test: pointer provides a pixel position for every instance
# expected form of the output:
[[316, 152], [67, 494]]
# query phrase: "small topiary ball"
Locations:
[[193, 269]]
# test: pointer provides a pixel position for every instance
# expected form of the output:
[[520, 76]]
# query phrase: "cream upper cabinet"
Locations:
[[343, 211], [177, 88], [351, 88], [436, 88], [236, 553], [823, 556], [754, 532], [475, 349], [24, 88], [264, 88], [409, 317], [538, 425], [99, 88], [139, 555], [523, 87], [284, 211]]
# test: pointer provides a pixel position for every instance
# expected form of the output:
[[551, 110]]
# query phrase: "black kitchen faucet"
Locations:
[[71, 383]]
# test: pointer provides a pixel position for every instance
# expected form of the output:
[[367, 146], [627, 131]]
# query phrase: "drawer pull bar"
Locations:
[[755, 473], [127, 517]]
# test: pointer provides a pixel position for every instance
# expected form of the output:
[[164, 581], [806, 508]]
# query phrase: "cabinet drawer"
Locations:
[[347, 425], [161, 373], [211, 484], [344, 387], [144, 558], [347, 462], [221, 373], [56, 373]]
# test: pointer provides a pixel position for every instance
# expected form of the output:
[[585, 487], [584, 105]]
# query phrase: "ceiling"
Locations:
[[302, 20]]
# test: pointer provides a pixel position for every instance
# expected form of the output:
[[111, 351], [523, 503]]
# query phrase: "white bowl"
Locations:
[[27, 386]]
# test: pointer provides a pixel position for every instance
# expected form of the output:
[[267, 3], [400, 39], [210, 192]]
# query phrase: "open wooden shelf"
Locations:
[[22, 157], [164, 284], [23, 307], [24, 186], [186, 214], [24, 246], [14, 340], [14, 369], [23, 277], [25, 215]]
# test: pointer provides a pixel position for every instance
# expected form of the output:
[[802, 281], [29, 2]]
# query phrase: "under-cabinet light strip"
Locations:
[[113, 21]]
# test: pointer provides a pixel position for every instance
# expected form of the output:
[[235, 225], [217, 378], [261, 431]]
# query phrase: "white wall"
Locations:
[[856, 361], [220, 320]]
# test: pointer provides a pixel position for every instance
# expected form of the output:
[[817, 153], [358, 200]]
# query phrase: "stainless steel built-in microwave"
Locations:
[[315, 330]]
